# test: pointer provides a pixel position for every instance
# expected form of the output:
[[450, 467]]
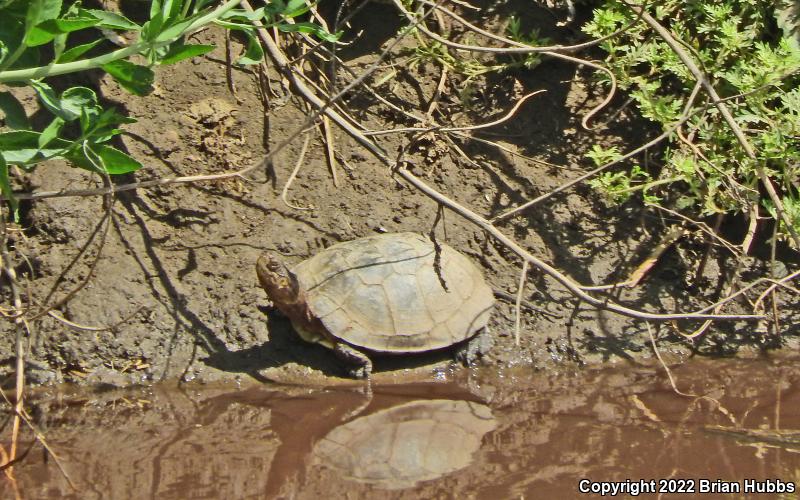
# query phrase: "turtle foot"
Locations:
[[474, 348], [360, 365]]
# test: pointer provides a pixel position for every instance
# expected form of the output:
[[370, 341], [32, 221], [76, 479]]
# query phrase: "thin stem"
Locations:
[[575, 288], [11, 59]]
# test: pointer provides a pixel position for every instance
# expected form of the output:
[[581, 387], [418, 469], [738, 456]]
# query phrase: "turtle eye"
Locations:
[[273, 265]]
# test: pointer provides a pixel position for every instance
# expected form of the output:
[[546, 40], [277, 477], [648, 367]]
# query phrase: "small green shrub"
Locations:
[[750, 52]]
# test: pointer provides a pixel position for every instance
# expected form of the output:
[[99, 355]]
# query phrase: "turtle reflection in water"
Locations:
[[395, 293], [401, 446]]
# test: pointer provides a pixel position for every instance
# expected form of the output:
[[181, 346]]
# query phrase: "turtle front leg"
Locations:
[[474, 348], [351, 355]]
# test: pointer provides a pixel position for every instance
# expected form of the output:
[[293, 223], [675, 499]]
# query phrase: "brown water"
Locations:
[[518, 434]]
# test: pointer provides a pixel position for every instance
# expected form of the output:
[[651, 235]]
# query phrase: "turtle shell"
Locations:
[[395, 293]]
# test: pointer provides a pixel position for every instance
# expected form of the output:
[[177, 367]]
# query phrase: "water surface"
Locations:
[[519, 434]]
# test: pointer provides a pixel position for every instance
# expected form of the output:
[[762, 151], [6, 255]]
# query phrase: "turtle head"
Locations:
[[276, 279]]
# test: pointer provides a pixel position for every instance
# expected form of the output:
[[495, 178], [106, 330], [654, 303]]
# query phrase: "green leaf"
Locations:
[[171, 10], [115, 161], [12, 31], [48, 97], [112, 20], [77, 51], [68, 106], [59, 44], [152, 28], [240, 15], [175, 31], [50, 132], [310, 28], [239, 26], [74, 99], [15, 116], [13, 25], [21, 147], [199, 4], [179, 51], [5, 186], [17, 139], [254, 53], [155, 8], [103, 126], [44, 32], [42, 10], [294, 8], [137, 80]]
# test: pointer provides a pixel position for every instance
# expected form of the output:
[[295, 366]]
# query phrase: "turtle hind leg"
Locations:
[[476, 347], [359, 364]]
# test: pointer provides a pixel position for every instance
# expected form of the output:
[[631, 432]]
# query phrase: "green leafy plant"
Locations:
[[532, 38], [472, 67], [35, 44], [755, 67], [620, 186], [436, 52]]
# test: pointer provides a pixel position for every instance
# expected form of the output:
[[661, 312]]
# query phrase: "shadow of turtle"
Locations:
[[284, 346]]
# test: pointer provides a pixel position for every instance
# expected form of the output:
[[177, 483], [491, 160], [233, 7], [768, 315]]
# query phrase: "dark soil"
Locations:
[[174, 292]]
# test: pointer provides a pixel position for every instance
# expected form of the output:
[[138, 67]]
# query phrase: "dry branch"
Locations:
[[575, 288]]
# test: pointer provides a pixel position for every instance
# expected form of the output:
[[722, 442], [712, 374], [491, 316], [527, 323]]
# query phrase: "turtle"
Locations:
[[391, 293]]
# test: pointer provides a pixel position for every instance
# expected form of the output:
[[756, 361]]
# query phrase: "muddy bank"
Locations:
[[173, 293]]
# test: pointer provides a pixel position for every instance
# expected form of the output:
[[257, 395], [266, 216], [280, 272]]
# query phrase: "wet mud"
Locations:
[[173, 293]]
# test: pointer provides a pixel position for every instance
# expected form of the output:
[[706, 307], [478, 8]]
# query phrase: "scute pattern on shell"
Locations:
[[383, 293]]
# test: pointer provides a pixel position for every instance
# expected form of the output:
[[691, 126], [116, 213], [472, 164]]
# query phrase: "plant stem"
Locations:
[[22, 75], [12, 58], [650, 185]]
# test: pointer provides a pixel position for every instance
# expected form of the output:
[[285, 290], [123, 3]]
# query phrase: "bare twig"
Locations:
[[516, 47], [492, 123], [108, 202], [299, 163], [526, 49], [568, 283], [89, 328], [20, 329], [701, 266], [731, 286], [554, 51], [229, 66], [777, 283], [22, 414], [664, 365], [683, 119], [673, 235], [523, 276], [330, 152]]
